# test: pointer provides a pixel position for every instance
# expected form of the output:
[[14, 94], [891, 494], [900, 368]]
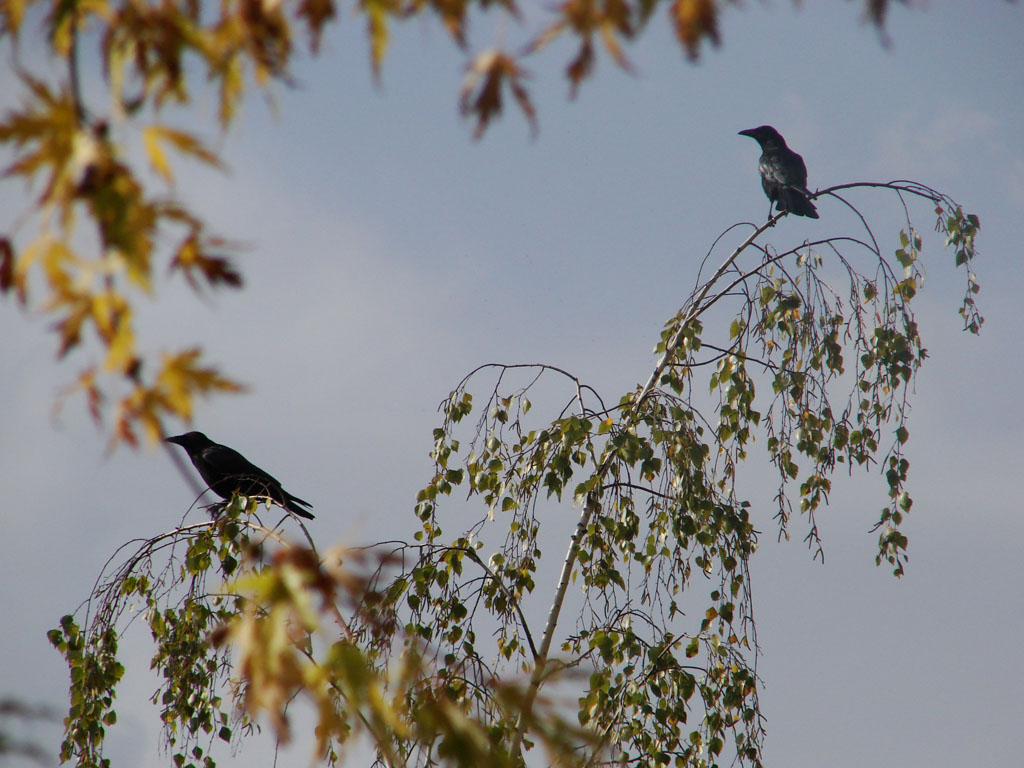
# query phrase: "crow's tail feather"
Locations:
[[292, 504], [795, 201]]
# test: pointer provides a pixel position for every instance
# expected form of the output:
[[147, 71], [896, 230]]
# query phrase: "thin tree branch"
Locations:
[[592, 503]]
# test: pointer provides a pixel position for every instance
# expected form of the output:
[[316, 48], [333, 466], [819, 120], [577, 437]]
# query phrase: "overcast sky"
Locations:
[[389, 254]]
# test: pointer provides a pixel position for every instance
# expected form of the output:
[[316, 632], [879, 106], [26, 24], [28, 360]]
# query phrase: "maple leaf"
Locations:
[[192, 256], [181, 378], [481, 92], [694, 20], [154, 135], [316, 13], [580, 67]]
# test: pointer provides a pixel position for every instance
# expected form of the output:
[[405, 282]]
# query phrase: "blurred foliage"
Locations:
[[14, 712], [431, 648], [102, 234]]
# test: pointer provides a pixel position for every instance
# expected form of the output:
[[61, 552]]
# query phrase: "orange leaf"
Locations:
[[70, 328], [693, 20], [192, 256], [316, 13], [481, 93], [580, 67]]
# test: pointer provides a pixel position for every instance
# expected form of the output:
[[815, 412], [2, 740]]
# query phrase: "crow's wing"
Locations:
[[228, 471], [228, 461], [782, 169], [794, 171]]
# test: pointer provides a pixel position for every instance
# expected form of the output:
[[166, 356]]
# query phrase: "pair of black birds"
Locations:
[[227, 472]]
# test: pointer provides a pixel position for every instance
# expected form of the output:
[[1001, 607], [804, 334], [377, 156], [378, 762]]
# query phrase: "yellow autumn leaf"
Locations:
[[173, 381], [56, 257], [157, 158], [121, 348], [103, 315], [377, 26], [188, 144], [112, 316], [152, 427], [29, 255], [12, 12], [117, 60], [155, 135], [181, 378], [231, 86]]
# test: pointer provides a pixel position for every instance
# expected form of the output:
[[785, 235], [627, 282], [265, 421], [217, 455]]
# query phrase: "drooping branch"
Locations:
[[695, 306], [692, 310]]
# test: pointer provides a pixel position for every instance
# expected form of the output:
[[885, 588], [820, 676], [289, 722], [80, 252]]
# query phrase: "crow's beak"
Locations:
[[749, 132]]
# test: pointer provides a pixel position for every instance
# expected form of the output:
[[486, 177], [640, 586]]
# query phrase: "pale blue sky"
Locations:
[[390, 254]]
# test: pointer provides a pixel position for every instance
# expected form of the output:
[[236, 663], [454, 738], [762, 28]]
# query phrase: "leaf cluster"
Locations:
[[163, 581], [89, 275], [81, 173]]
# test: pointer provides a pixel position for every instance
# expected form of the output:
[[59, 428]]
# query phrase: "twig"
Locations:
[[592, 503]]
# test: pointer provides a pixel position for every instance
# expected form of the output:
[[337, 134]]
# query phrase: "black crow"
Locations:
[[783, 173], [228, 472]]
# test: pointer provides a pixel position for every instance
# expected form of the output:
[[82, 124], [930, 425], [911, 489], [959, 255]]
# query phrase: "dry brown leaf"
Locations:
[[481, 93], [694, 20]]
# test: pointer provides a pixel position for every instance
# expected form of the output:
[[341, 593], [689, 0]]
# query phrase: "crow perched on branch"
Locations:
[[783, 173], [227, 472]]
